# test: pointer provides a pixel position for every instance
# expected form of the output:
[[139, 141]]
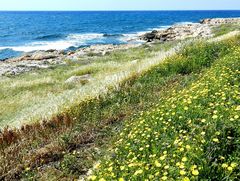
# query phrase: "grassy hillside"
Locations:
[[164, 99], [192, 134], [40, 94]]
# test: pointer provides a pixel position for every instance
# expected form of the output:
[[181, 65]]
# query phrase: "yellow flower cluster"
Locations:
[[185, 137]]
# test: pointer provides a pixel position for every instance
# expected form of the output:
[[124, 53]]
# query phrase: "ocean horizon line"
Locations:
[[119, 10]]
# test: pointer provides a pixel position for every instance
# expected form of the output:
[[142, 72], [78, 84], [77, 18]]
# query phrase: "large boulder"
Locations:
[[43, 55], [149, 37]]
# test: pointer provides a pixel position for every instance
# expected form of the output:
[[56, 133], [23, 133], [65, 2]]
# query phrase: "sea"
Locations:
[[26, 31]]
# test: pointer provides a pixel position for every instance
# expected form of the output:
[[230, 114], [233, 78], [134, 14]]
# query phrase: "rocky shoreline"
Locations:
[[203, 29], [49, 58]]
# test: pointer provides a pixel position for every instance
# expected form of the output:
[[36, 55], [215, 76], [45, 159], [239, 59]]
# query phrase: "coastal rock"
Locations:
[[217, 21], [83, 79], [43, 55], [178, 32], [150, 36], [38, 55], [191, 30]]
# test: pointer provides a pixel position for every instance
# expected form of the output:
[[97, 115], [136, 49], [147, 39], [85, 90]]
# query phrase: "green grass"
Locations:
[[192, 134], [33, 96], [66, 152], [225, 28]]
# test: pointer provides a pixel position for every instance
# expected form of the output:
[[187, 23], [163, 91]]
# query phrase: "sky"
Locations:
[[119, 4]]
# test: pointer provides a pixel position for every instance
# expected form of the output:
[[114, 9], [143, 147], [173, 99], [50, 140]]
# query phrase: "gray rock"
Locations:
[[42, 56], [150, 36]]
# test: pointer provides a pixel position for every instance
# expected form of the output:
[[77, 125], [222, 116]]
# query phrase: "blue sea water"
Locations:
[[28, 31]]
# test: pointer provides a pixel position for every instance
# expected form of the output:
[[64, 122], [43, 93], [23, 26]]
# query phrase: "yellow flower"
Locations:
[[151, 177], [234, 165], [181, 166], [238, 108], [181, 149], [182, 172], [97, 165], [216, 140], [203, 120], [230, 168], [164, 178], [165, 173], [222, 158], [188, 147], [224, 165], [138, 172], [185, 108], [195, 172], [166, 167], [236, 117], [93, 177], [184, 159], [215, 117], [162, 157], [102, 179], [121, 179], [122, 167], [158, 164], [185, 179], [110, 169]]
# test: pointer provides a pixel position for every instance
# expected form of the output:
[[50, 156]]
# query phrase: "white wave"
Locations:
[[184, 23], [71, 40], [58, 45], [83, 38]]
